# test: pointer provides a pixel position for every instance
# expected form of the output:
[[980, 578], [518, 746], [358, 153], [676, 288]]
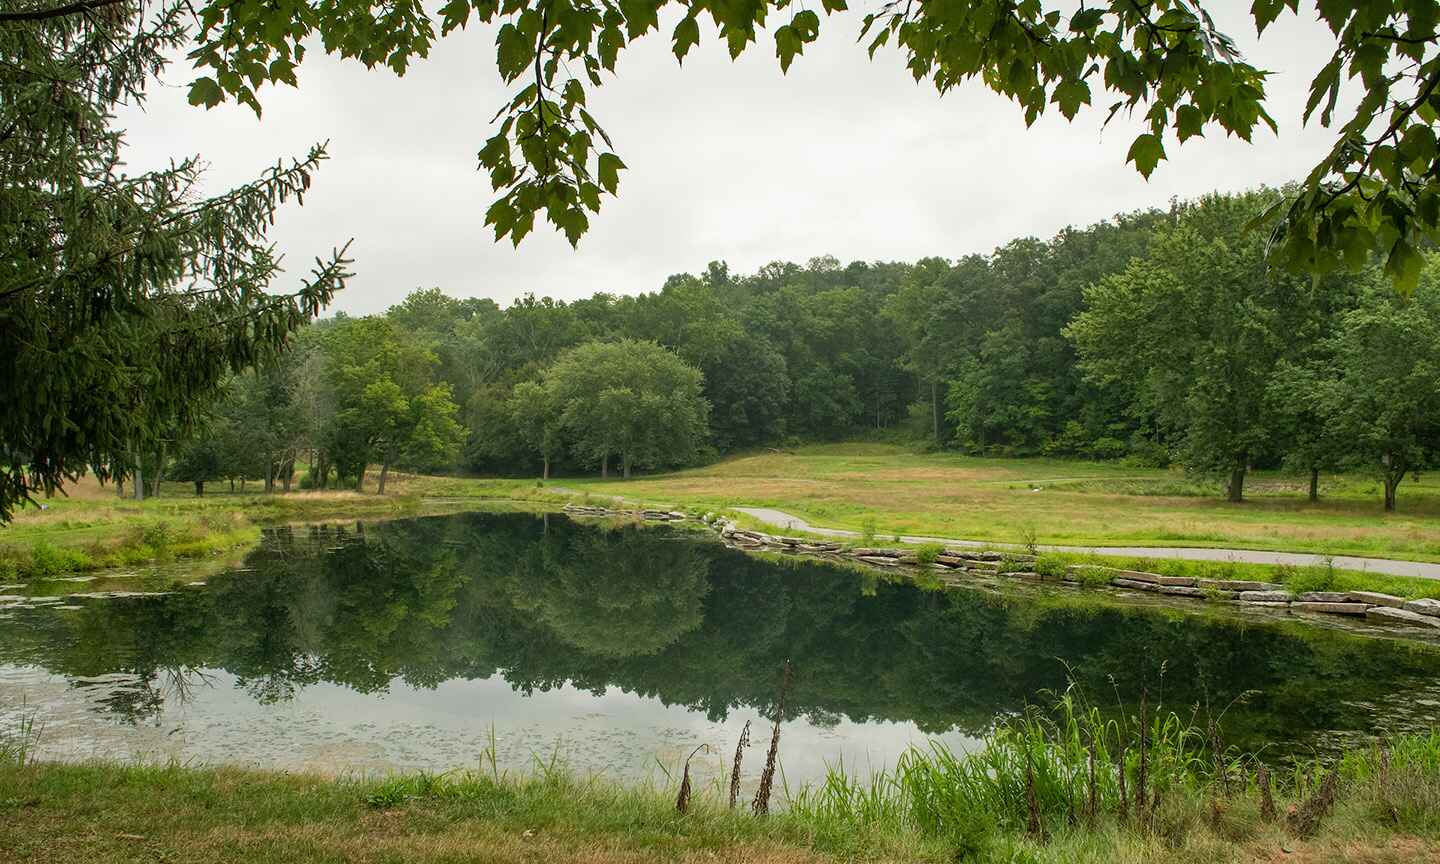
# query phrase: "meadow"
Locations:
[[895, 490]]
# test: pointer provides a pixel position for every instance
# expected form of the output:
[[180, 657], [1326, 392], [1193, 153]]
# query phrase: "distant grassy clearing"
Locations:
[[91, 529], [1062, 501]]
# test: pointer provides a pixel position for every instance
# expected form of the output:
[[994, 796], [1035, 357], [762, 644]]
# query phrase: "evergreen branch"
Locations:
[[81, 7]]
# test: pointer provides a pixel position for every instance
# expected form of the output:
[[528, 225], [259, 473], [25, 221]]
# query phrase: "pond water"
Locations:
[[442, 642]]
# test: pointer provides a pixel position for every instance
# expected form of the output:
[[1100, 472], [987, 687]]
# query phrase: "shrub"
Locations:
[[867, 531], [1014, 564], [47, 561], [927, 553], [1050, 566], [1302, 579]]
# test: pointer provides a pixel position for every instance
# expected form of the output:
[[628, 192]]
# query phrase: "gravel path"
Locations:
[[783, 520]]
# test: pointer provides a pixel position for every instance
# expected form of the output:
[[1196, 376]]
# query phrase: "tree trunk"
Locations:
[[159, 473], [605, 467], [137, 483], [232, 485], [1392, 481], [935, 408], [1236, 490], [287, 473], [1314, 485], [119, 486], [625, 462], [545, 471], [384, 470], [199, 488], [360, 484]]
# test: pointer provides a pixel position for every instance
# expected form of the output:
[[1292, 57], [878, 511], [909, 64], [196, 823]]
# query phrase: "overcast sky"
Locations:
[[727, 161]]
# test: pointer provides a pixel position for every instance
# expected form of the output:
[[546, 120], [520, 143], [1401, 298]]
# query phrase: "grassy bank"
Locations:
[[90, 529], [1066, 787], [1065, 502]]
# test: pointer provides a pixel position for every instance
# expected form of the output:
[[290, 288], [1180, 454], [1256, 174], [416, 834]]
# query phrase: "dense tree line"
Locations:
[[1159, 336]]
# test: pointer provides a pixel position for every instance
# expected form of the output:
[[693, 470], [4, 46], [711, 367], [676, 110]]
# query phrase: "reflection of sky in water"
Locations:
[[329, 728]]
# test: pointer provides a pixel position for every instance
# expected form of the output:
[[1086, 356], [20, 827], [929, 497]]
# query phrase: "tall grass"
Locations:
[[1050, 779], [18, 741]]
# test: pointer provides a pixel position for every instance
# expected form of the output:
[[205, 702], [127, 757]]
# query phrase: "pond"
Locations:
[[444, 642]]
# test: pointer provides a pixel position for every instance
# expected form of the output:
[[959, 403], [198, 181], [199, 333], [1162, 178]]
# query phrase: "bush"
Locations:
[[928, 553], [867, 531], [47, 561], [1302, 579], [1050, 566], [1014, 564]]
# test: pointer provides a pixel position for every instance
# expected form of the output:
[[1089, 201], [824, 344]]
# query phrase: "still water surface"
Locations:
[[425, 643]]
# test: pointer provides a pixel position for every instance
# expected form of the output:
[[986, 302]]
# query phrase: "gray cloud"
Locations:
[[731, 161]]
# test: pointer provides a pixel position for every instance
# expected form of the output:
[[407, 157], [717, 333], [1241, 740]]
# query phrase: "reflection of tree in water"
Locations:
[[624, 593], [145, 698], [660, 613]]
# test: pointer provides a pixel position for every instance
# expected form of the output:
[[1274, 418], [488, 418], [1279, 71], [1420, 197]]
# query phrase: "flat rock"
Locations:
[[1328, 607], [879, 559], [970, 555], [1182, 591], [867, 552], [1391, 615], [1120, 582], [1264, 596], [1375, 599], [1236, 585], [1156, 578], [1264, 605], [1325, 597], [1424, 606]]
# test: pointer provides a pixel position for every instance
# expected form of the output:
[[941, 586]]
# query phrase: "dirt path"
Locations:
[[783, 520]]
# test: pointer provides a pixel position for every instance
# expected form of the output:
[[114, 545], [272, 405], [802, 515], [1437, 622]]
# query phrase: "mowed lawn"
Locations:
[[1061, 501]]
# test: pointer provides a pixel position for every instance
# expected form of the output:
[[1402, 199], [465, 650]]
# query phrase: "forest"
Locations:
[[1159, 336]]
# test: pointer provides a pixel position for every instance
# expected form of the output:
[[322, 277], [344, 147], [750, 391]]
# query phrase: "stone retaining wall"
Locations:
[[1367, 605]]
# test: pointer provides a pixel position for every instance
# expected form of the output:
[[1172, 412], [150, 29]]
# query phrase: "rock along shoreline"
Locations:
[[958, 562]]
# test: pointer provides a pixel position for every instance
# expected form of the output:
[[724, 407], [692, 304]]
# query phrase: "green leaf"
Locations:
[[1265, 12], [1404, 265], [609, 171], [1189, 122], [641, 16], [1070, 94], [807, 25], [1086, 20], [204, 91], [574, 94], [686, 36], [1146, 152], [787, 45], [833, 6]]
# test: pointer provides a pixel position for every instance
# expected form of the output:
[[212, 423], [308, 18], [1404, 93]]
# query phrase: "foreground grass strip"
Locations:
[[1073, 784], [100, 812]]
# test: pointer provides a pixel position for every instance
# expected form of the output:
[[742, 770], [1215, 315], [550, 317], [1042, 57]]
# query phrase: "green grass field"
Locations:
[[853, 486], [91, 529], [1061, 501], [956, 808]]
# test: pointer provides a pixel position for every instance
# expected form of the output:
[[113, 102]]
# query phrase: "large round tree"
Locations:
[[633, 400]]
